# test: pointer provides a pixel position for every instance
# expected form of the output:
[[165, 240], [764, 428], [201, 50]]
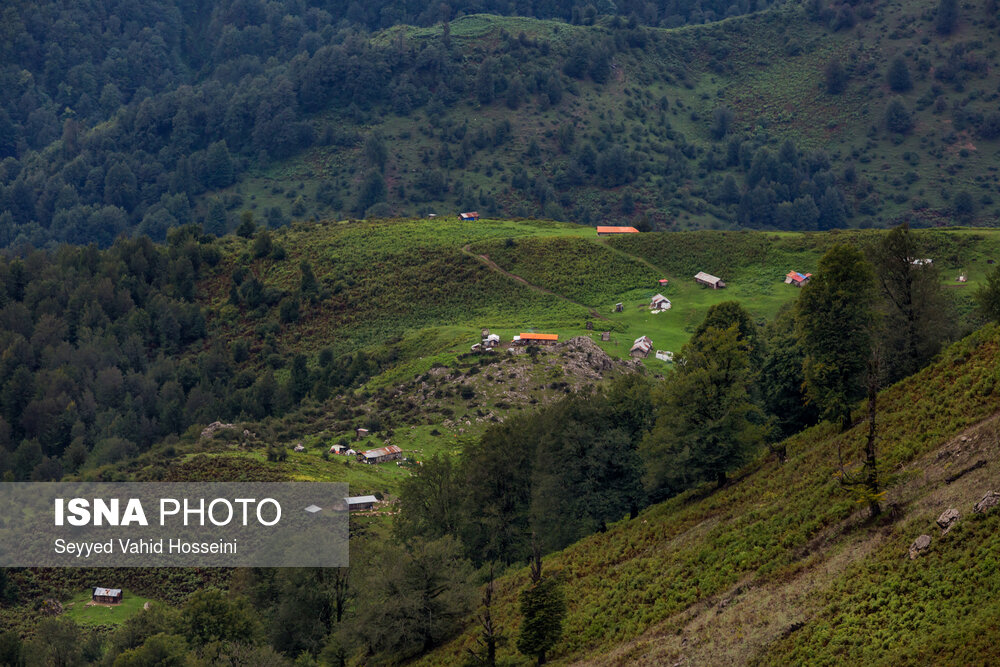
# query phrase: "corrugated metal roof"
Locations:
[[539, 336], [358, 500], [707, 277], [108, 592], [382, 451], [617, 230]]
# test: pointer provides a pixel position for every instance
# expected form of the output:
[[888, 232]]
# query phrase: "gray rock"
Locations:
[[919, 544], [988, 502], [948, 519]]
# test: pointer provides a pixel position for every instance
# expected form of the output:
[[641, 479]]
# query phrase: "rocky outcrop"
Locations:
[[947, 519], [922, 543], [988, 502]]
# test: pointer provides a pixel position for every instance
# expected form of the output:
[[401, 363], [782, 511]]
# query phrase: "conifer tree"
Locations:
[[834, 321]]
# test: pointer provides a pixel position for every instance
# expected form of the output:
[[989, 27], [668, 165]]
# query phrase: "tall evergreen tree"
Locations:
[[947, 17], [834, 320], [543, 610], [707, 424], [899, 76]]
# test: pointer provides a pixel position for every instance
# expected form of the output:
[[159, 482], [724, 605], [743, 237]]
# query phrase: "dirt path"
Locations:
[[485, 259], [604, 242]]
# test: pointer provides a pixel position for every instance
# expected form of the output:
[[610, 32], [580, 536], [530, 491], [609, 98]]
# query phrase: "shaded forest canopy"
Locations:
[[138, 118]]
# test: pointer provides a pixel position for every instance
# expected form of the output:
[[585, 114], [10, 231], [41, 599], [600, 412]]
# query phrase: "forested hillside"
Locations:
[[141, 118], [256, 356]]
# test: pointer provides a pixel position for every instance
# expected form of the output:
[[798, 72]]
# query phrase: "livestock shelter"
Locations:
[[381, 455], [107, 596], [709, 280], [360, 503], [537, 339]]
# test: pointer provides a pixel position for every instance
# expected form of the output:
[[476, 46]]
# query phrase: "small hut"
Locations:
[[360, 503], [537, 339], [107, 596], [381, 455], [659, 302], [605, 336], [797, 279], [300, 448], [709, 280], [641, 347], [361, 433], [619, 307]]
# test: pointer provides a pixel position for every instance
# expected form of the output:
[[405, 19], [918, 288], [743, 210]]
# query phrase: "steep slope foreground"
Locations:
[[782, 567]]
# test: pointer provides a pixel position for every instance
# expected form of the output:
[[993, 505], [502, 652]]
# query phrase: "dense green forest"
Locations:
[[136, 119]]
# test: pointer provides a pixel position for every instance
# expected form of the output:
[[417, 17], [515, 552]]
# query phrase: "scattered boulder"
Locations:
[[988, 502], [919, 544], [213, 428], [948, 519]]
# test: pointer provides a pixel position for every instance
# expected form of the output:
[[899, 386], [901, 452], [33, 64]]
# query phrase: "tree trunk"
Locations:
[[871, 463]]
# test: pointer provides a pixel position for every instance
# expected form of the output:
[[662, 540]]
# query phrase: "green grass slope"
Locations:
[[417, 292], [781, 567]]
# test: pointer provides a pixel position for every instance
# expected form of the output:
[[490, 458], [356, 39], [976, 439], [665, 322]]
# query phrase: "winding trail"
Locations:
[[485, 259]]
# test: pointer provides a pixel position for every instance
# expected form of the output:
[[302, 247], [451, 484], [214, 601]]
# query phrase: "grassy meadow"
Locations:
[[93, 615]]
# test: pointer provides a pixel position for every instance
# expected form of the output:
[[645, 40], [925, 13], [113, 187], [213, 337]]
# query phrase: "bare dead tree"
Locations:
[[490, 634], [536, 560], [866, 480]]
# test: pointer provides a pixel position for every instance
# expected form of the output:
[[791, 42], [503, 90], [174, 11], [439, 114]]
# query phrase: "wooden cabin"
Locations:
[[659, 302], [107, 596], [536, 339], [709, 280], [381, 455], [797, 279], [355, 503]]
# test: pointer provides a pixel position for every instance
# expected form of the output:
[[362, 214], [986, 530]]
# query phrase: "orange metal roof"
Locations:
[[617, 230], [537, 336]]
